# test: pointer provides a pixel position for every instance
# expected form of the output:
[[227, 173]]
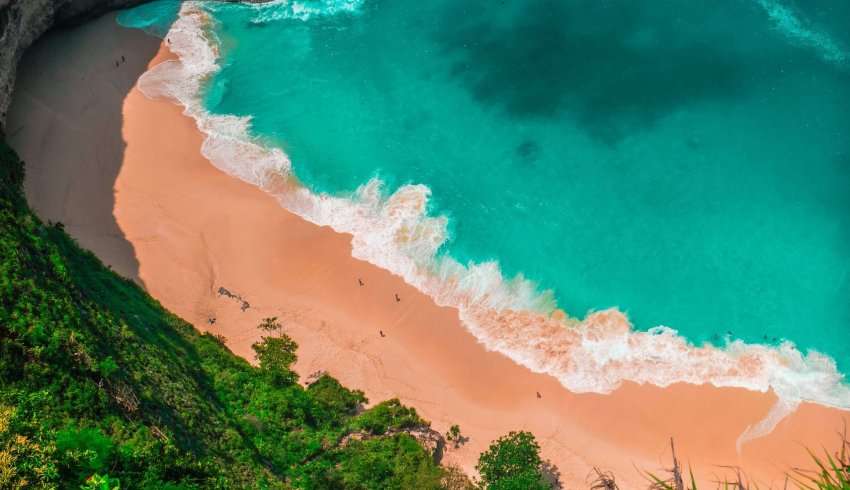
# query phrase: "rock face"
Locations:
[[24, 21]]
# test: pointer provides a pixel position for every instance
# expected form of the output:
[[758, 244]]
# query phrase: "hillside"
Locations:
[[96, 378]]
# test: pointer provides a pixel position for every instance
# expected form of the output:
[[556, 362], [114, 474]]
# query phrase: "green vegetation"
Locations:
[[513, 463], [102, 388], [832, 473]]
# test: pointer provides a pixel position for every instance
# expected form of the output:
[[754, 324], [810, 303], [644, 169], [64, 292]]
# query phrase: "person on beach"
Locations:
[[397, 299], [538, 395], [359, 281], [382, 333], [123, 59]]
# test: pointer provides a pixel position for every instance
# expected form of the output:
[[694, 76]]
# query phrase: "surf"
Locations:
[[395, 230]]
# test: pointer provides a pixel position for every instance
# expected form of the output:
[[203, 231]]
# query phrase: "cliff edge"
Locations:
[[22, 22]]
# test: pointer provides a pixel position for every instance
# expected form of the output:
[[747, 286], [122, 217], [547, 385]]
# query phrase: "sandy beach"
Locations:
[[125, 175]]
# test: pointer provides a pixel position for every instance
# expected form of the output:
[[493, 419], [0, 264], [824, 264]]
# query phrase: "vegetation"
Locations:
[[102, 388], [832, 473], [513, 463]]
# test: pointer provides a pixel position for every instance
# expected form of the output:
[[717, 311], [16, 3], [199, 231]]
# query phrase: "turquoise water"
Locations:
[[154, 17], [687, 162]]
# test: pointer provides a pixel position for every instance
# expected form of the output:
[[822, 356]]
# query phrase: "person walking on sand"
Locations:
[[397, 299], [123, 59], [382, 333], [359, 281], [538, 395]]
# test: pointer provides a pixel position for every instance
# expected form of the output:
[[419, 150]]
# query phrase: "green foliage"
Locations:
[[512, 463], [84, 451], [335, 401], [100, 385], [101, 482], [276, 356], [391, 462], [832, 473], [388, 415]]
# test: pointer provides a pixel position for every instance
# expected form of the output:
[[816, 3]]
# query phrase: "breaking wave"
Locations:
[[510, 316]]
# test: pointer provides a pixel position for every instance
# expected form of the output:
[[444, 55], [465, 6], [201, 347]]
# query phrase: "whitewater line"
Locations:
[[509, 316], [786, 21]]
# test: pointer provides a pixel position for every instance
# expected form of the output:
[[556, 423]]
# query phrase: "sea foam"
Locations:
[[511, 316], [787, 22]]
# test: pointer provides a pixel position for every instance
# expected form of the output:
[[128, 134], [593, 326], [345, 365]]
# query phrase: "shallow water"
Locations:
[[687, 164]]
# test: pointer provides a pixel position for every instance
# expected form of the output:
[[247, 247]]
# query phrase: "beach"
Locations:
[[126, 177]]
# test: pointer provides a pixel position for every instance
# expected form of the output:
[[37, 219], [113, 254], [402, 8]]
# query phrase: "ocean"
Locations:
[[684, 163]]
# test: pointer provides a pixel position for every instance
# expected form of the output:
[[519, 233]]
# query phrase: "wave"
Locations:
[[305, 10], [787, 22], [510, 316]]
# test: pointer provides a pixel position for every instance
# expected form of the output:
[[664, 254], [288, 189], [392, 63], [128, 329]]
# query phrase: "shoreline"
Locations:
[[191, 230], [510, 316]]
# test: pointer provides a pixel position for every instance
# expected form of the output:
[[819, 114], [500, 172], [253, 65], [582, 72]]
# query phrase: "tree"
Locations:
[[276, 356], [334, 402], [512, 463]]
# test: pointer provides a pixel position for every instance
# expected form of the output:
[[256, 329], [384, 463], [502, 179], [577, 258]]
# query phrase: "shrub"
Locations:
[[512, 463]]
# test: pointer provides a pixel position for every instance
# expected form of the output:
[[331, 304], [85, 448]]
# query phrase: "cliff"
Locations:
[[100, 385], [22, 22]]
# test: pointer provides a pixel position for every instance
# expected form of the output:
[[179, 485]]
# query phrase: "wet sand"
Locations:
[[126, 176]]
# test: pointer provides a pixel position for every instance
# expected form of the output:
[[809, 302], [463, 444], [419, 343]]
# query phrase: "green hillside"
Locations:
[[99, 384]]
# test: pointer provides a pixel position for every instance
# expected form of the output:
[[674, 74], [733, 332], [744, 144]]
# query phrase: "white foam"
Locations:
[[301, 9], [227, 144], [793, 28], [509, 316], [781, 409]]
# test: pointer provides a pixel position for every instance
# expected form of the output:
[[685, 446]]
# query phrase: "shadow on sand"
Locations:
[[65, 121]]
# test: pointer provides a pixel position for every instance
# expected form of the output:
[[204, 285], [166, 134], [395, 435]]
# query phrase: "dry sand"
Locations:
[[126, 177]]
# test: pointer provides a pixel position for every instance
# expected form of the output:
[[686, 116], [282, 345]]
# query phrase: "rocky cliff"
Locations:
[[24, 21]]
